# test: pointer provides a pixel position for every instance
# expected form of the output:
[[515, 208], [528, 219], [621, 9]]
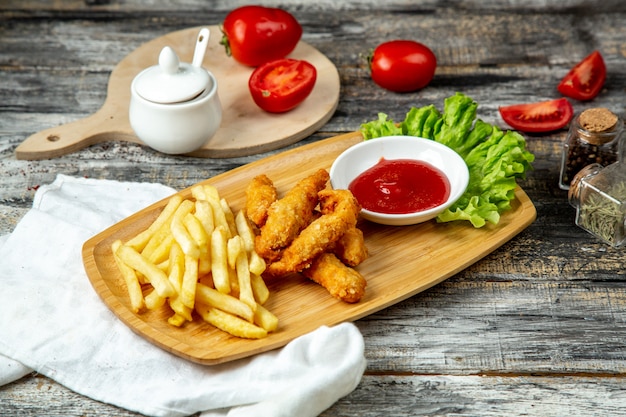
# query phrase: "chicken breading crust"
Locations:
[[339, 213], [288, 216]]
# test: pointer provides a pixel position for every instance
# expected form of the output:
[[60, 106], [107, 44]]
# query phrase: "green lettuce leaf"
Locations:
[[381, 127], [495, 159]]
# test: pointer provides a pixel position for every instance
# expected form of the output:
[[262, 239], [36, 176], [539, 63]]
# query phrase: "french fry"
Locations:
[[162, 251], [155, 276], [186, 206], [198, 234], [164, 266], [243, 275], [196, 230], [154, 300], [180, 309], [234, 282], [197, 191], [197, 255], [158, 246], [135, 294], [259, 289], [265, 318], [234, 247], [219, 260], [257, 264], [176, 277], [190, 280], [183, 238], [176, 266], [160, 233], [156, 240], [211, 193], [229, 216], [140, 241], [225, 302], [231, 324], [204, 213], [219, 216], [176, 320]]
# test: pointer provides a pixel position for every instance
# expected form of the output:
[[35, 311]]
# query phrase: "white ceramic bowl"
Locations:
[[176, 128], [360, 157]]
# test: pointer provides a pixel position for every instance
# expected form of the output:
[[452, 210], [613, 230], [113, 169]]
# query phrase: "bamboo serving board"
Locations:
[[403, 261], [245, 128]]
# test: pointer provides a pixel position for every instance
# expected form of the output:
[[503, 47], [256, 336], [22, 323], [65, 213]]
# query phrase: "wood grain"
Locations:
[[403, 262], [245, 128]]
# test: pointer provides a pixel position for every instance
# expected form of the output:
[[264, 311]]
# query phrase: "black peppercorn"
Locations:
[[593, 138]]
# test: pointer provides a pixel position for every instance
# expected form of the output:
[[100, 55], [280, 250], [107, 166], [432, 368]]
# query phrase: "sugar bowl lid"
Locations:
[[172, 81]]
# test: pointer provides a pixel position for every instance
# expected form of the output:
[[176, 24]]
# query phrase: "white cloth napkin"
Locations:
[[53, 322]]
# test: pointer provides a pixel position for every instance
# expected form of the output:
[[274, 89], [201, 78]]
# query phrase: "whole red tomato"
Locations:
[[256, 34], [585, 80], [542, 116], [402, 65], [279, 86]]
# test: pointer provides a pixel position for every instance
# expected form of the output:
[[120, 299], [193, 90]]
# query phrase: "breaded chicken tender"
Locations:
[[350, 248], [287, 216], [311, 230], [339, 213], [260, 195], [340, 280]]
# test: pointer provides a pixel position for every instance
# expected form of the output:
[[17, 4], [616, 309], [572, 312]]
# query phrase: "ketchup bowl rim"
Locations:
[[362, 156]]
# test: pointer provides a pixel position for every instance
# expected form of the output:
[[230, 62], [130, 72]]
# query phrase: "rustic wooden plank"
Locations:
[[435, 395], [36, 395], [501, 325], [388, 395], [580, 6]]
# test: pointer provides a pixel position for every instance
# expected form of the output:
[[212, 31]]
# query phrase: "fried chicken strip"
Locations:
[[341, 281], [260, 195], [339, 213], [288, 216], [350, 248]]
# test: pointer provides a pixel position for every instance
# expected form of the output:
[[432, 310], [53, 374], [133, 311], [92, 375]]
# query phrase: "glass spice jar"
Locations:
[[599, 195], [594, 138]]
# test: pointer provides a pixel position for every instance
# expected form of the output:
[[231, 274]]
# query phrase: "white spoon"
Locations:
[[201, 45]]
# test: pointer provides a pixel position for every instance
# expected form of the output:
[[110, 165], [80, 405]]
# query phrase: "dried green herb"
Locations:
[[603, 213]]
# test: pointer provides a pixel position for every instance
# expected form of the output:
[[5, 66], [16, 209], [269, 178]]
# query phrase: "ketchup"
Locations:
[[400, 186]]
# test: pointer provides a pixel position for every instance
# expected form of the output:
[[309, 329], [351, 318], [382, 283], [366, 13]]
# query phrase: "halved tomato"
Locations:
[[543, 116], [586, 79], [279, 86]]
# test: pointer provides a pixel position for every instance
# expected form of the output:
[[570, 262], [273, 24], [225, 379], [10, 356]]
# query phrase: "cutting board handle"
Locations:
[[57, 141]]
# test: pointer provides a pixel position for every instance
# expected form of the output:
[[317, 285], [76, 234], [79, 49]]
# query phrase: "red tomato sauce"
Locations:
[[400, 186]]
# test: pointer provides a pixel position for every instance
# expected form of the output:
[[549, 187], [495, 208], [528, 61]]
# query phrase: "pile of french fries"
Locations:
[[198, 256]]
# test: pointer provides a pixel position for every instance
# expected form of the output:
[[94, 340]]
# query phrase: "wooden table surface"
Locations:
[[536, 328]]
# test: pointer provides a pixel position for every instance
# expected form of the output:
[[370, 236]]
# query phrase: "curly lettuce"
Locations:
[[495, 159]]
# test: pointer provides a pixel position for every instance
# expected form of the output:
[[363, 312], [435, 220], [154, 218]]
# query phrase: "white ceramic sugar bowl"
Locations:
[[174, 106]]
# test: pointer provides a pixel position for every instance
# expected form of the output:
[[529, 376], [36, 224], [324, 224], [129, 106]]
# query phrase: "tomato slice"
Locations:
[[281, 85], [586, 79], [543, 116]]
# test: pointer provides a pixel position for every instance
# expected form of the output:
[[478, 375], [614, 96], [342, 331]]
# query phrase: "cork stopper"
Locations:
[[597, 120], [597, 126]]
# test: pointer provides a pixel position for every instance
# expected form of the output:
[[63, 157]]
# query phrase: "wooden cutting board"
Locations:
[[403, 261], [245, 128]]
